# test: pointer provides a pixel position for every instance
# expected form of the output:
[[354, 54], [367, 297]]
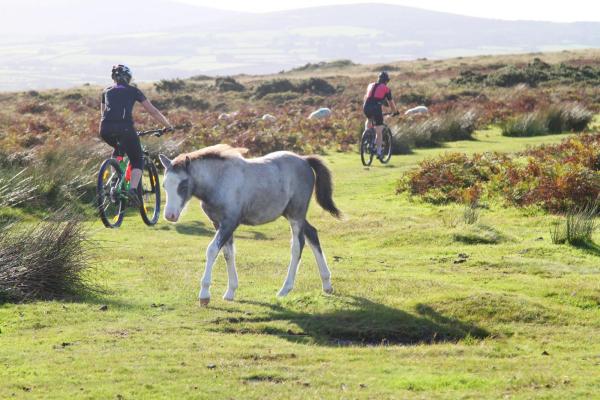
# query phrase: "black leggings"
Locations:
[[373, 111], [123, 138]]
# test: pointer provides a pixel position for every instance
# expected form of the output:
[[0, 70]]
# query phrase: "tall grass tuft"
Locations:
[[44, 261], [470, 214], [532, 124], [578, 227], [568, 117], [432, 132], [16, 189]]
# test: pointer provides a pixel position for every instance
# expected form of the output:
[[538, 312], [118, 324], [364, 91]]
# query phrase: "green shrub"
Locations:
[[316, 86], [274, 86], [228, 84], [325, 65], [170, 86], [279, 98], [190, 102], [414, 98], [201, 78], [531, 74]]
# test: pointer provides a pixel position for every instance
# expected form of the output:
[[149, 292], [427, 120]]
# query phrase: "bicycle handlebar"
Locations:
[[162, 131]]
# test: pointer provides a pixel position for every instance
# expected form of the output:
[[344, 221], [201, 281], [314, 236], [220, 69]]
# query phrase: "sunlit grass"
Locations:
[[418, 312]]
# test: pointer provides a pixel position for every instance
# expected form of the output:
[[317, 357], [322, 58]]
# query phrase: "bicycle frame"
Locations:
[[126, 165]]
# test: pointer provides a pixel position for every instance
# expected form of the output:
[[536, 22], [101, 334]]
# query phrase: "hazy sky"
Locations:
[[545, 10]]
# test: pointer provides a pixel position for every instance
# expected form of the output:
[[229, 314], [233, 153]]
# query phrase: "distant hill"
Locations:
[[162, 39], [35, 18]]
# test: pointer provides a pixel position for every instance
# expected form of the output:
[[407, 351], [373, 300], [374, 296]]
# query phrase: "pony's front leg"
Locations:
[[297, 246], [223, 235], [229, 253]]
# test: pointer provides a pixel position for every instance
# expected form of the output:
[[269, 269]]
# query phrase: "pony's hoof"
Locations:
[[204, 302], [283, 292], [328, 290], [228, 297]]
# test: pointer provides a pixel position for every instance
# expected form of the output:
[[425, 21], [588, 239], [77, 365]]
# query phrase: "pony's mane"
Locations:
[[218, 151]]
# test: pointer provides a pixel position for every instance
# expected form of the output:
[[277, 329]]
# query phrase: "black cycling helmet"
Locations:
[[121, 73], [383, 77]]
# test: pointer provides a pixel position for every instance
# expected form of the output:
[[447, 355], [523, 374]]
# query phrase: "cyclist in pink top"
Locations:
[[377, 93]]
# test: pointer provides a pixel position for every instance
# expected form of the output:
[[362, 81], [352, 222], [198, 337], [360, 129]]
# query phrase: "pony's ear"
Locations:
[[164, 160], [187, 162]]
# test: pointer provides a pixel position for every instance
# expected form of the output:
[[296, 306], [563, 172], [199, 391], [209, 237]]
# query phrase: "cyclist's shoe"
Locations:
[[134, 198]]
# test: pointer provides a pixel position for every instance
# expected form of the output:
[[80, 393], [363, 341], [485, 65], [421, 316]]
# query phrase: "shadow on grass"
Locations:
[[198, 228], [587, 246], [353, 321]]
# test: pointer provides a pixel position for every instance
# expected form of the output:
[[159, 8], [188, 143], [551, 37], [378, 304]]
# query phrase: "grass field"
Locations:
[[418, 311]]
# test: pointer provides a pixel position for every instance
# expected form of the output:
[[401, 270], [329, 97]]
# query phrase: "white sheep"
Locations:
[[321, 113], [417, 110], [269, 118]]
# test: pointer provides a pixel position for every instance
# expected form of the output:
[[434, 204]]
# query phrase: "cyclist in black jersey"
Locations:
[[116, 125]]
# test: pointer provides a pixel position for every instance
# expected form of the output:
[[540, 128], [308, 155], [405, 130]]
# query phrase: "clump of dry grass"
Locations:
[[433, 131], [44, 261], [16, 189]]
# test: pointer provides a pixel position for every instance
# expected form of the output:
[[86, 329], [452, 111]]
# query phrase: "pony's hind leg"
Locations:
[[229, 254], [313, 240], [297, 246]]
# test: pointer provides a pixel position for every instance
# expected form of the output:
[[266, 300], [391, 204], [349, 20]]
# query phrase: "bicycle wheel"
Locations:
[[386, 148], [108, 194], [366, 147], [150, 193]]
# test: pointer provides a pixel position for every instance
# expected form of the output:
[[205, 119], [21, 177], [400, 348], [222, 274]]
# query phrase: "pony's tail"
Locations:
[[323, 185]]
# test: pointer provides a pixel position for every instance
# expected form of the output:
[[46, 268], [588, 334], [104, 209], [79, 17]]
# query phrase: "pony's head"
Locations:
[[178, 185]]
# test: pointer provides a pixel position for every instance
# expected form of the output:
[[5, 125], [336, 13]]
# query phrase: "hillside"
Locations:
[[164, 40]]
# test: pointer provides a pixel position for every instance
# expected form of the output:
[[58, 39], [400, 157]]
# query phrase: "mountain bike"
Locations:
[[114, 183], [368, 146]]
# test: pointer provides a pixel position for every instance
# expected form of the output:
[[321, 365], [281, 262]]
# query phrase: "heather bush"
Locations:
[[452, 177], [557, 177], [33, 107]]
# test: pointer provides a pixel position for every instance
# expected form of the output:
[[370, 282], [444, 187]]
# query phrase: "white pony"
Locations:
[[234, 190]]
